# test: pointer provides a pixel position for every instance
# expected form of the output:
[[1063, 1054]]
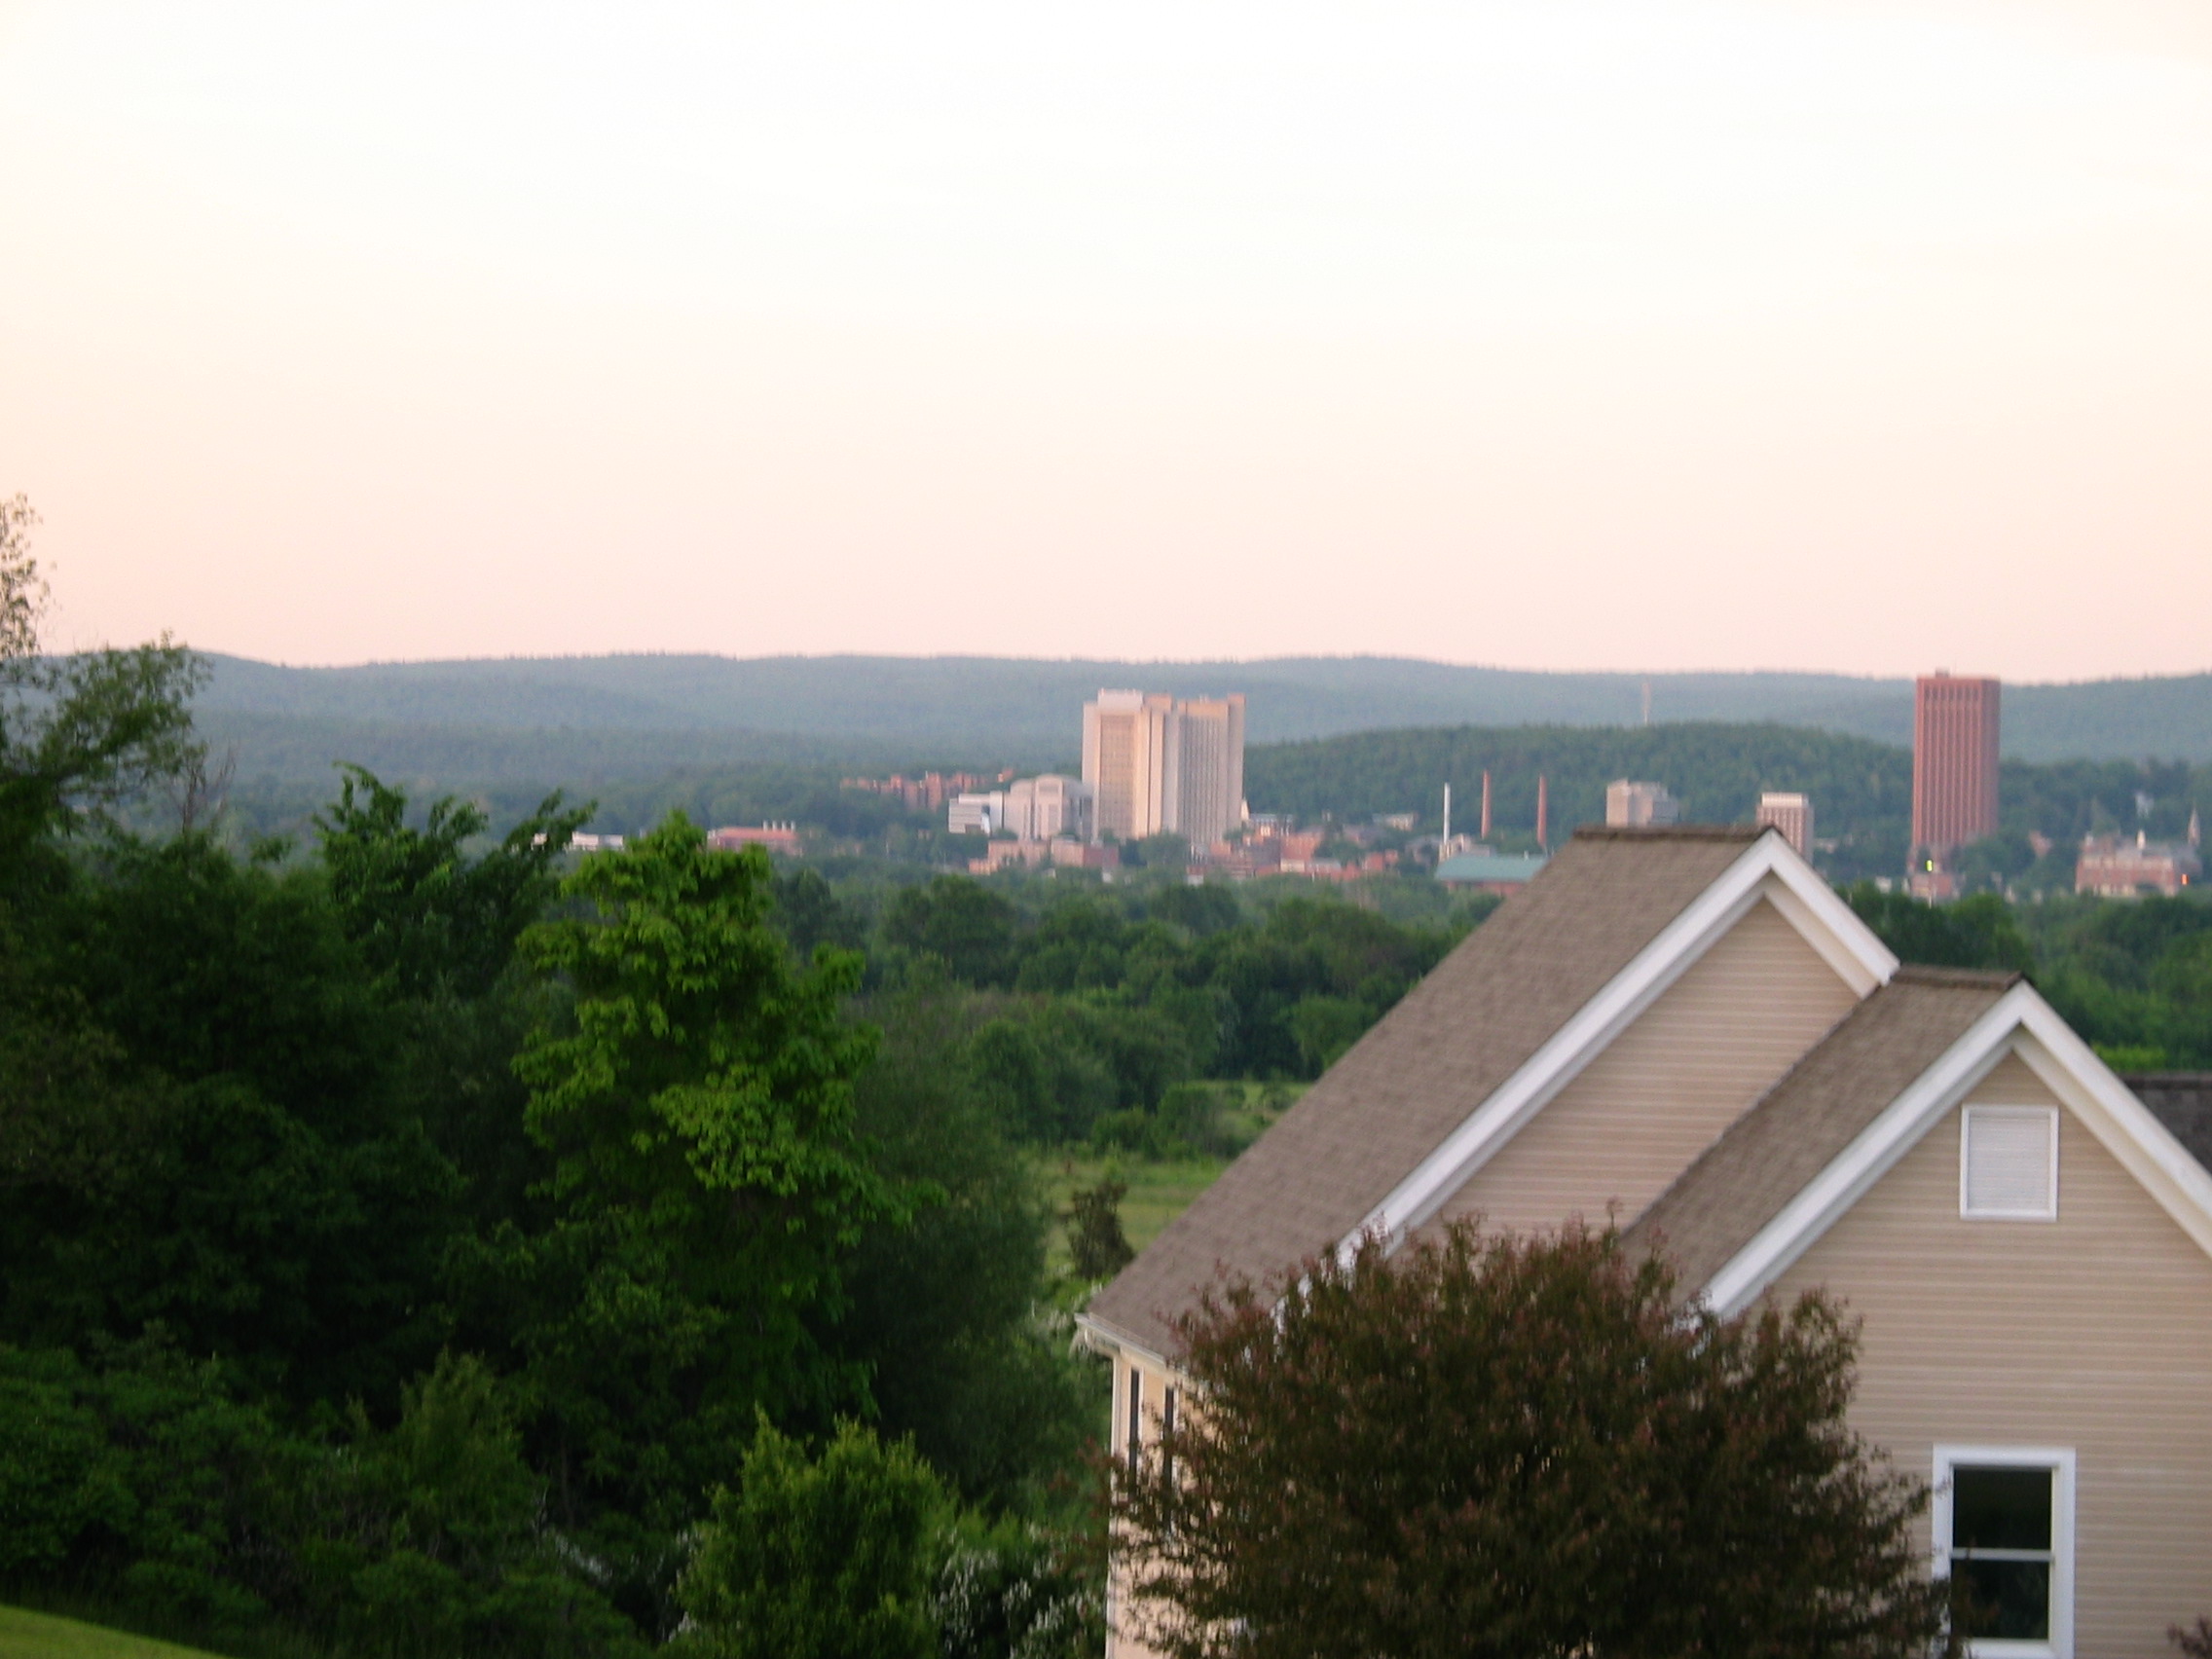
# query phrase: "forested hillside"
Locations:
[[508, 721]]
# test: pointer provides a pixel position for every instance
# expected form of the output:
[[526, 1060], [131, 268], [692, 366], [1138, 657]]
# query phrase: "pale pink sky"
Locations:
[[1650, 334]]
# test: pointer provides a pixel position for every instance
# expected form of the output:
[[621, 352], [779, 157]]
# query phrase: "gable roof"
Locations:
[[2017, 1021], [1330, 1167], [1804, 1122]]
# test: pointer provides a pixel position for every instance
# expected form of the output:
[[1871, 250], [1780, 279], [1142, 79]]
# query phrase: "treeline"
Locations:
[[421, 1241], [2132, 977], [403, 1245]]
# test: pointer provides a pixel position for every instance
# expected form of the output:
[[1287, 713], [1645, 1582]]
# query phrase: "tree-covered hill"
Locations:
[[1025, 712]]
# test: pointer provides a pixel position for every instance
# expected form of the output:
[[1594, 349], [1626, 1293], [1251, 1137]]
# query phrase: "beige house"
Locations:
[[1686, 1029]]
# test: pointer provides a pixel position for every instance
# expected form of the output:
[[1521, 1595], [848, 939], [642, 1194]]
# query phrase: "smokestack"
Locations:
[[1543, 811], [1485, 806], [1447, 837]]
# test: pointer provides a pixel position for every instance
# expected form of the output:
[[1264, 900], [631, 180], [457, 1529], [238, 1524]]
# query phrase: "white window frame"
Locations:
[[2059, 1459], [1967, 1212]]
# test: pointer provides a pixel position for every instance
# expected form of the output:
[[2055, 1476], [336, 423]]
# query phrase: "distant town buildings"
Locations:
[[1041, 809], [1954, 767], [1793, 815], [2113, 867], [1634, 806], [1161, 765], [1062, 852], [779, 838], [976, 813], [928, 793], [1051, 807]]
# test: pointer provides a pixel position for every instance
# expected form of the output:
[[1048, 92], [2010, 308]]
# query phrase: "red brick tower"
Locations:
[[1954, 762]]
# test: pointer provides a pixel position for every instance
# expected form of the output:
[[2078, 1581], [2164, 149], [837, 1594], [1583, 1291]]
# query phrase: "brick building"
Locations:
[[1954, 765]]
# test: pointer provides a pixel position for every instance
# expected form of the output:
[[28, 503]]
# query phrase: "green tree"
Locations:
[[259, 1188], [79, 734], [1506, 1447], [961, 922], [1098, 1247], [942, 1309], [418, 907], [834, 1558], [709, 1180], [1977, 931]]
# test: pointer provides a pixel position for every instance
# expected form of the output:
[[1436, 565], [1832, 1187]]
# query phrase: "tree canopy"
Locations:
[[1499, 1445]]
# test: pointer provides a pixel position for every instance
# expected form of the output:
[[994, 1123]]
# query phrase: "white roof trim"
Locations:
[[1101, 1337], [1769, 868], [2122, 1125], [2019, 1022]]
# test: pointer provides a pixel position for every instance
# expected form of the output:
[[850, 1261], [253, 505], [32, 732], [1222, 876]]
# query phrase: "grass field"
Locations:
[[1160, 1189], [40, 1636]]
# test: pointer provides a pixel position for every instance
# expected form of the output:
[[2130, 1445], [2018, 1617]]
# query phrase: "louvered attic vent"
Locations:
[[2008, 1163]]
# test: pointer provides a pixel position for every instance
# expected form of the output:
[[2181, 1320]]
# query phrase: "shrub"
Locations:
[[832, 1558]]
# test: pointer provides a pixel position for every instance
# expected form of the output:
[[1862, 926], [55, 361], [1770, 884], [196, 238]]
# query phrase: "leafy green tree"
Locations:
[[1976, 932], [1202, 910], [710, 1183], [413, 901], [1015, 1590], [260, 1191], [829, 1558], [1503, 1446], [961, 922], [811, 914], [148, 1482], [1098, 1247], [943, 1308], [79, 734]]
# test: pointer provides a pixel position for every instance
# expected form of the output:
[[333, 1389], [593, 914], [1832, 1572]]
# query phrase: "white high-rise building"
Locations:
[[1209, 799], [983, 814], [1634, 806], [1048, 807], [1158, 765]]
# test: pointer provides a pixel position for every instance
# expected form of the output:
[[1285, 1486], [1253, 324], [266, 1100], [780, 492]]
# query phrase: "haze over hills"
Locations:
[[628, 716]]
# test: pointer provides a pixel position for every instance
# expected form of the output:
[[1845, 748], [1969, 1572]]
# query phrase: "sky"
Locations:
[[1649, 335]]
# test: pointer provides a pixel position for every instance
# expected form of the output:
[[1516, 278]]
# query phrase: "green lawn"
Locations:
[[1159, 1189], [38, 1636]]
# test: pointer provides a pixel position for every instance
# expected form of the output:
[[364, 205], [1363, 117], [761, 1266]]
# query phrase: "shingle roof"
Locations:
[[1425, 1067], [1802, 1124]]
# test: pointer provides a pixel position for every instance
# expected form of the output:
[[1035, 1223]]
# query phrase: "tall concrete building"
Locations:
[[1954, 763], [1156, 765], [1048, 807], [1210, 800], [1634, 806]]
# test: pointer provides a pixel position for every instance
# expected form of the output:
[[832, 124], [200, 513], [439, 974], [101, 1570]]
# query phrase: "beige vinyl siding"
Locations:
[[2093, 1331], [1121, 1643], [1642, 1110]]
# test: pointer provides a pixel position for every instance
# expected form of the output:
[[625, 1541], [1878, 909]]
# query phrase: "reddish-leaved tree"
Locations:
[[1491, 1446]]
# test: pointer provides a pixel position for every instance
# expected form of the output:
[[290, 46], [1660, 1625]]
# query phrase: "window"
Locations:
[[1167, 1427], [2008, 1163], [1136, 1416], [2003, 1523]]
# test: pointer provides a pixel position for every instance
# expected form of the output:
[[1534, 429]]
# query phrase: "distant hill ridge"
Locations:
[[1024, 712]]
